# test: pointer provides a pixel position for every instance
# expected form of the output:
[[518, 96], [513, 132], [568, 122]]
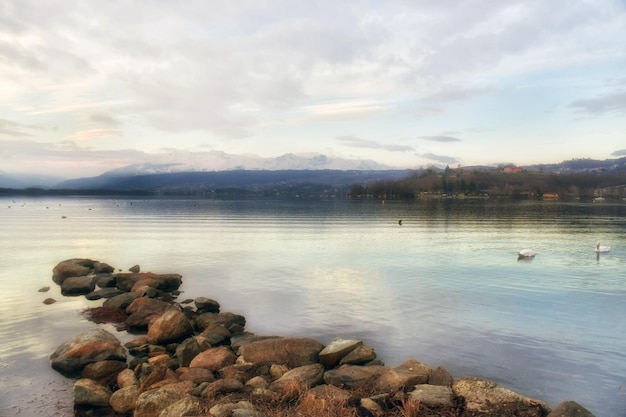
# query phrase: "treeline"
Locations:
[[461, 183]]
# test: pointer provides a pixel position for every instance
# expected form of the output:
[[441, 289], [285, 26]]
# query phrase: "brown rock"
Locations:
[[293, 352], [172, 325], [359, 356], [306, 376], [222, 386], [188, 406], [235, 323], [123, 400], [78, 285], [353, 376], [214, 359], [207, 305], [151, 403], [103, 370], [197, 375], [126, 378], [440, 376], [409, 373], [145, 310], [92, 346], [88, 392], [71, 268]]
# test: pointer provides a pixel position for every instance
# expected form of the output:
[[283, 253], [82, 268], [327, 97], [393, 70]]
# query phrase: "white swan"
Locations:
[[526, 253], [602, 249]]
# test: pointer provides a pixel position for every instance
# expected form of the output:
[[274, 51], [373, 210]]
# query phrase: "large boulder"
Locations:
[[169, 327], [78, 285], [189, 349], [485, 398], [76, 267], [123, 400], [92, 346], [293, 352], [432, 395]]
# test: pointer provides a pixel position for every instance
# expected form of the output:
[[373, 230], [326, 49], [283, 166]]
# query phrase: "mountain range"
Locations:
[[218, 170]]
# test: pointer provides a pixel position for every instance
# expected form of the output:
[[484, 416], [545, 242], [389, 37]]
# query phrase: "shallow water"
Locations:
[[445, 287]]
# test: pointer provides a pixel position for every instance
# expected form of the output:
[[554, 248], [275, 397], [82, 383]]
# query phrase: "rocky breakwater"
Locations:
[[191, 359]]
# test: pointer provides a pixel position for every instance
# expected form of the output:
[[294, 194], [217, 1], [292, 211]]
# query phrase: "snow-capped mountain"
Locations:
[[221, 161]]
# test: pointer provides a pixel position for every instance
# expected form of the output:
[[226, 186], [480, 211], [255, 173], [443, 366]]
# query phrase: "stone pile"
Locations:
[[191, 359]]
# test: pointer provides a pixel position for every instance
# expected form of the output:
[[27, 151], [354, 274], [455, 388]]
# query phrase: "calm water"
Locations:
[[445, 287]]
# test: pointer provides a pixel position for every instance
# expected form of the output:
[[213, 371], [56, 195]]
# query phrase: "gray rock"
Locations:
[[134, 268], [432, 395], [235, 323], [188, 406], [103, 369], [353, 376], [78, 285], [359, 356], [103, 293], [207, 305], [121, 301], [189, 349], [336, 350], [71, 268], [485, 398], [409, 373], [570, 409]]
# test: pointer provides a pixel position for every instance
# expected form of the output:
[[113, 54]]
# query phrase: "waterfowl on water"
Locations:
[[602, 249]]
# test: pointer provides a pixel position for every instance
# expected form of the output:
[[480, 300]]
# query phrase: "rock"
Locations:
[[570, 409], [44, 289], [228, 409], [440, 376], [336, 350], [207, 305], [198, 375], [103, 293], [88, 392], [216, 334], [92, 346], [144, 310], [222, 386], [157, 378], [409, 373], [126, 378], [134, 268], [172, 325], [151, 403], [244, 412], [329, 393], [71, 268], [359, 356], [103, 370], [238, 340], [78, 285], [123, 400], [106, 281], [241, 372], [162, 359], [233, 322], [121, 301], [277, 370], [161, 282], [303, 376], [102, 268], [487, 399], [372, 407], [353, 376], [214, 359], [188, 406], [432, 395], [49, 301], [293, 352], [257, 382], [189, 349]]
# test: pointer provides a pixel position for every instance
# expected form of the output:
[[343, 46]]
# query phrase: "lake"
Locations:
[[445, 287]]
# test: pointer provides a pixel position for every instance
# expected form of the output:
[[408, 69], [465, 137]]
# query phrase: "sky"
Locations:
[[88, 86]]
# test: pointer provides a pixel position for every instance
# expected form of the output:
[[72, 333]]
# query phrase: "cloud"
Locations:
[[103, 118], [94, 134], [621, 152], [440, 158], [355, 142], [442, 139], [602, 104], [11, 128]]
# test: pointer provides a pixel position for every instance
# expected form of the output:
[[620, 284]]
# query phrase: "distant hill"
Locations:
[[244, 180]]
